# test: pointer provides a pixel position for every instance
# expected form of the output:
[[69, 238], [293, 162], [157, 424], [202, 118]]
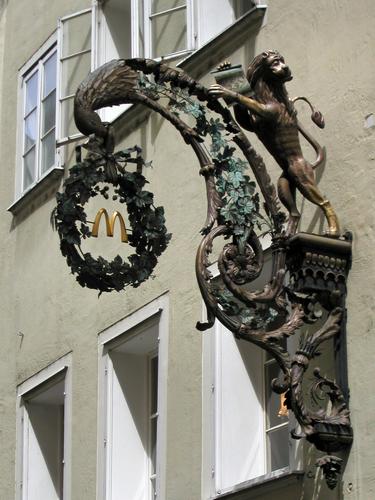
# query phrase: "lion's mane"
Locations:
[[264, 88]]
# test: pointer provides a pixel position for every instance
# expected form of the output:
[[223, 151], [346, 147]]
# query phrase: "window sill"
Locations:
[[183, 54], [35, 190], [263, 485]]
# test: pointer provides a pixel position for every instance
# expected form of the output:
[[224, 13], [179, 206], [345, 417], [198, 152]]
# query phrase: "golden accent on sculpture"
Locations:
[[110, 223]]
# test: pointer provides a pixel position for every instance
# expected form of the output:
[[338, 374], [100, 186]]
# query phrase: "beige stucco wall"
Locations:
[[329, 46]]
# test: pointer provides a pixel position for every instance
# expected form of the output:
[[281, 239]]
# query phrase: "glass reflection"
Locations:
[[30, 131], [49, 75], [31, 93], [29, 168]]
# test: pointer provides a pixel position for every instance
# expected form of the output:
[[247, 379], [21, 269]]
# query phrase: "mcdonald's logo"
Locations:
[[110, 223]]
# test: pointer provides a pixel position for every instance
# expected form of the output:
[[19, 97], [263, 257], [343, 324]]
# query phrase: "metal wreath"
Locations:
[[317, 265]]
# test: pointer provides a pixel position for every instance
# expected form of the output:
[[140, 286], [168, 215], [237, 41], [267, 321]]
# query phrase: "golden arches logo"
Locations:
[[110, 224]]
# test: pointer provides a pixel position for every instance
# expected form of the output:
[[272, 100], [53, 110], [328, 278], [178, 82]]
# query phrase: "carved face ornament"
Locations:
[[278, 68], [269, 63]]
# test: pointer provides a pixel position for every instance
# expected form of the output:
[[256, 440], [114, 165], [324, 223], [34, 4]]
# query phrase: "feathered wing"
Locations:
[[112, 84], [109, 85]]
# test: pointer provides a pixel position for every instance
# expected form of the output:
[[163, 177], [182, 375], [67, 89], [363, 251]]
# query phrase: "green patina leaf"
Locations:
[[235, 178]]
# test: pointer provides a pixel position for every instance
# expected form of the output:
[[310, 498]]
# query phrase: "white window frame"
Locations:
[[61, 141], [158, 311], [60, 366], [31, 66], [211, 419]]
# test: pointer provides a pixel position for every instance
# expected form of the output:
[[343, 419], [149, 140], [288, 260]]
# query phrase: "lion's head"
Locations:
[[268, 66]]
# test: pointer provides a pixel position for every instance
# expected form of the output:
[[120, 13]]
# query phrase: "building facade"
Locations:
[[119, 396]]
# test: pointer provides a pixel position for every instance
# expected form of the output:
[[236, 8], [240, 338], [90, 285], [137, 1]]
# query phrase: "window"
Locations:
[[44, 434], [277, 419], [246, 425], [251, 434], [168, 26], [75, 62], [160, 28], [132, 396], [38, 88], [155, 28], [113, 41], [87, 39]]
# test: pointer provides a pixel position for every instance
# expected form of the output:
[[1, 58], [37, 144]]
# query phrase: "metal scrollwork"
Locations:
[[317, 266]]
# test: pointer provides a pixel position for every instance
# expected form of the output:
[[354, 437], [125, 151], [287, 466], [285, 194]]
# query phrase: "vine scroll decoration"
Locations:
[[317, 265]]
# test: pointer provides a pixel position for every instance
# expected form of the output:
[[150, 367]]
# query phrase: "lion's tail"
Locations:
[[319, 150], [318, 119]]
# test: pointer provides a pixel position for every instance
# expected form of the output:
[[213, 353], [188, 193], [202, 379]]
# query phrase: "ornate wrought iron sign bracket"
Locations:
[[309, 272]]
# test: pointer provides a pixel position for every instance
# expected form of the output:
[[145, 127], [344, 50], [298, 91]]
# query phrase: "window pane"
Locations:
[[273, 400], [49, 112], [76, 34], [169, 33], [31, 93], [29, 168], [67, 120], [160, 5], [278, 448], [49, 75], [30, 130], [74, 70], [154, 385], [154, 423], [48, 151]]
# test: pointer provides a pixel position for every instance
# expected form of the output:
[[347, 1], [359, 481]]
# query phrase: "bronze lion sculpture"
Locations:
[[272, 116]]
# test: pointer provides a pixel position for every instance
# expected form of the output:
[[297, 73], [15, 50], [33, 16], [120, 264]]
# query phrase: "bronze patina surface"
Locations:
[[272, 116], [318, 265]]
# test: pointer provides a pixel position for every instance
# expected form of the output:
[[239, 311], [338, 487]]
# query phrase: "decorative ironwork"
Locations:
[[317, 265], [149, 237]]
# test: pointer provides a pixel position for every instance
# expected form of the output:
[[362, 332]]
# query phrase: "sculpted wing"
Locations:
[[112, 84]]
